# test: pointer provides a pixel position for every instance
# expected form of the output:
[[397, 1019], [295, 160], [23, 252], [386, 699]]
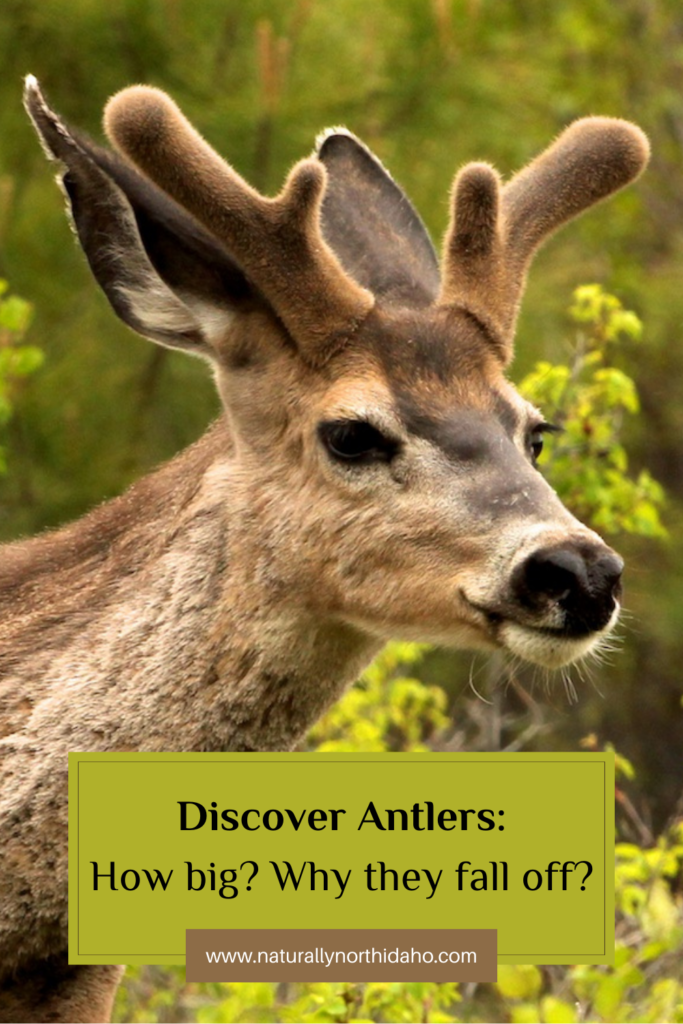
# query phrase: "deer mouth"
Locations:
[[559, 600], [551, 645], [551, 648]]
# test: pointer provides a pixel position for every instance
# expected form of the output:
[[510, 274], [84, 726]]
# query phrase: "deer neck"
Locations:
[[168, 634]]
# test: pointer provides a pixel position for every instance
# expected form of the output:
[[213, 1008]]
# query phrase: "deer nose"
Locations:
[[583, 579]]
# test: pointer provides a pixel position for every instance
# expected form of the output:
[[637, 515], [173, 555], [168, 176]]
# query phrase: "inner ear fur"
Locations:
[[277, 241], [162, 272]]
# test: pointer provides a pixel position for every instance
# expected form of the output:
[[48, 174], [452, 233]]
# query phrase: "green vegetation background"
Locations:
[[428, 84]]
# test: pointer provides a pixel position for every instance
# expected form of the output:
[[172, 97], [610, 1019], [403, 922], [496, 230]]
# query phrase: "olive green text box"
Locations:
[[523, 843]]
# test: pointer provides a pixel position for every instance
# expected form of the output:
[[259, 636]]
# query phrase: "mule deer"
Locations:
[[372, 475]]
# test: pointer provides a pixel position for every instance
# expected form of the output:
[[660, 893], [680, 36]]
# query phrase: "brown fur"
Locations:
[[224, 602]]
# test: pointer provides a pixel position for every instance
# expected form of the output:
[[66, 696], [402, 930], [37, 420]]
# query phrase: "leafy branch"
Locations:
[[17, 360], [590, 398]]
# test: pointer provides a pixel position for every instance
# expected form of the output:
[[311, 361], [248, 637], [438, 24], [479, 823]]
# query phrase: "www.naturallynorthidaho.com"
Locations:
[[319, 955]]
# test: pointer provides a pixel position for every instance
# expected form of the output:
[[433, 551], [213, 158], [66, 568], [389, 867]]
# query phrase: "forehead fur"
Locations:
[[420, 371], [436, 349], [437, 359]]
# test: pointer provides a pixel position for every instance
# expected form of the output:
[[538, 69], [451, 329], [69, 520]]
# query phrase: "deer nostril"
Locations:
[[555, 573], [605, 575], [583, 580]]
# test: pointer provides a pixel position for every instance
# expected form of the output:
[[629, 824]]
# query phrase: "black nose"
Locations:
[[583, 579]]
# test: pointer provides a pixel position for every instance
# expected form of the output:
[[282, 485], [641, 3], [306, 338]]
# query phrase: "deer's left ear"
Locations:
[[162, 272], [372, 227]]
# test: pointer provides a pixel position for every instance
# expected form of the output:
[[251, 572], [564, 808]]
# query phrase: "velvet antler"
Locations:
[[277, 242], [494, 231]]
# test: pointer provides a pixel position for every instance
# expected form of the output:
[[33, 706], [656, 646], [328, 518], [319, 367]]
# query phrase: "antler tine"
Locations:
[[476, 200], [278, 242], [473, 265], [591, 159]]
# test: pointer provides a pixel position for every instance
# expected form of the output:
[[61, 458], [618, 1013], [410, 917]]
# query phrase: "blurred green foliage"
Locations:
[[387, 709], [587, 399], [17, 359]]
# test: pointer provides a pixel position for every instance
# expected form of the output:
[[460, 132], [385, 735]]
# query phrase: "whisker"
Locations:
[[470, 682], [569, 688]]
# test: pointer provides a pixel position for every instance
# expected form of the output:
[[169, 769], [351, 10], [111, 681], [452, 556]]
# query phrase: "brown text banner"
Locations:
[[341, 954]]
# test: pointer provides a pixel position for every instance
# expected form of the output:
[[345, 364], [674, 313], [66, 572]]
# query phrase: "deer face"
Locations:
[[408, 501], [390, 463]]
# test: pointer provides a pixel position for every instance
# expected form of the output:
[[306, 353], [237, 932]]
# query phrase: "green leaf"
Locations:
[[15, 314], [525, 1013], [519, 981], [556, 1011]]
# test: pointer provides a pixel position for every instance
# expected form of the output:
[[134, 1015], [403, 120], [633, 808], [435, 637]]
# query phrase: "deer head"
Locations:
[[388, 463]]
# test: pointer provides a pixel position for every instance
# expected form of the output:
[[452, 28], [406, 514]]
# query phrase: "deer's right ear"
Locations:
[[162, 272], [372, 226]]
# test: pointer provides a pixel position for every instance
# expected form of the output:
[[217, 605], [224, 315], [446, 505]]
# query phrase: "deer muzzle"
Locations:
[[581, 580]]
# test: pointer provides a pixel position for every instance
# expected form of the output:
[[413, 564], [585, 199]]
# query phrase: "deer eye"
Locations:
[[535, 440], [356, 441], [536, 444]]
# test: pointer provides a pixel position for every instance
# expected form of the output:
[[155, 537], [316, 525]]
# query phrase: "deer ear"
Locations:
[[372, 226], [164, 275]]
